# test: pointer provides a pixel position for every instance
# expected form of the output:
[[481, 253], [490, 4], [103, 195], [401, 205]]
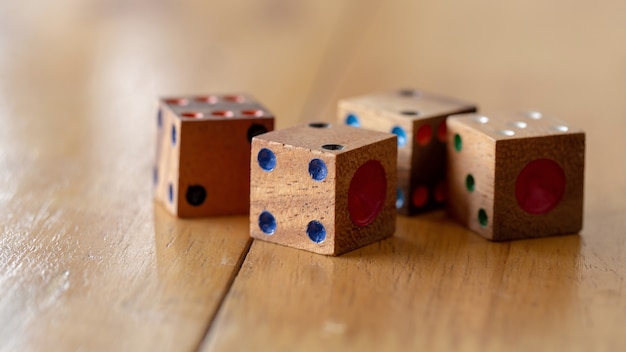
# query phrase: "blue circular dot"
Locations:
[[353, 120], [266, 159], [173, 134], [160, 118], [399, 198], [399, 131], [318, 170], [267, 222], [316, 231], [171, 192]]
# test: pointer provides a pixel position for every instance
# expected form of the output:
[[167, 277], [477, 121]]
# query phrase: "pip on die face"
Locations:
[[203, 153], [419, 120], [323, 188], [514, 175]]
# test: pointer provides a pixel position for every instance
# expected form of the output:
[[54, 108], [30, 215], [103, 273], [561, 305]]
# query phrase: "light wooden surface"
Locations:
[[89, 262]]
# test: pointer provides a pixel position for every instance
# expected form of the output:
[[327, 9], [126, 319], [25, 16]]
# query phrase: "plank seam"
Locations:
[[226, 293]]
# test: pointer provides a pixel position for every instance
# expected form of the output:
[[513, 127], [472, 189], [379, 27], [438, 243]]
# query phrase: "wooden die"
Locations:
[[203, 153], [515, 175], [418, 119], [323, 188]]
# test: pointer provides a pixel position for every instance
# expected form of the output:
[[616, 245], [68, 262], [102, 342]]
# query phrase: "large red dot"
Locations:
[[367, 193], [424, 134], [540, 186]]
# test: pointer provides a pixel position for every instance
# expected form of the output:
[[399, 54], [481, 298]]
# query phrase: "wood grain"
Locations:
[[203, 152], [487, 152], [289, 193], [88, 263], [432, 286], [421, 163]]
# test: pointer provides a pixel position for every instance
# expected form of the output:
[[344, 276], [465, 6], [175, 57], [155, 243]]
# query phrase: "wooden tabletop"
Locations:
[[88, 261]]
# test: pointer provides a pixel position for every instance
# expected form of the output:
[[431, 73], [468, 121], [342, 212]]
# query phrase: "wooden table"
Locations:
[[89, 262]]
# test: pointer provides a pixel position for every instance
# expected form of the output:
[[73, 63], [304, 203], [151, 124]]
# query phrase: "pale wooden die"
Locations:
[[203, 153], [418, 119], [515, 175], [323, 188]]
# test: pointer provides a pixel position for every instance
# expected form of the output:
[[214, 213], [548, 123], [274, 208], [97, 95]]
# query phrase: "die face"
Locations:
[[214, 177], [299, 185], [471, 175], [230, 99], [227, 106], [166, 171], [418, 118], [366, 195], [539, 186], [294, 199], [505, 126], [206, 171], [326, 137], [538, 168], [407, 103]]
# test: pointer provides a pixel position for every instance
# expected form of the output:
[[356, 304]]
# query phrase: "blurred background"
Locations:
[[98, 65]]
